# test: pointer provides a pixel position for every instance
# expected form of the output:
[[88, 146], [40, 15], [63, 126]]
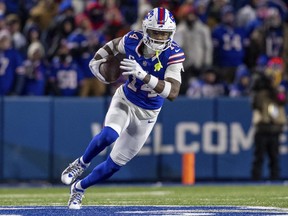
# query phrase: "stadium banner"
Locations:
[[41, 136]]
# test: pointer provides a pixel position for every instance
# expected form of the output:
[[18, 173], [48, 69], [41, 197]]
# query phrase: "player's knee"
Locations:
[[119, 158], [108, 136]]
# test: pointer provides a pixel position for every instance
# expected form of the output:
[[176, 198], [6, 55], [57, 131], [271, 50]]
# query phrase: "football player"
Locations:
[[154, 63]]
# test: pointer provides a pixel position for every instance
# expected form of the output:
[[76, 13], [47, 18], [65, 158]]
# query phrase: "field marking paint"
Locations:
[[9, 215], [212, 210], [32, 195], [163, 210]]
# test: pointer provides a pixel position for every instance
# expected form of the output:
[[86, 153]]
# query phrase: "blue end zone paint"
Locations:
[[142, 210]]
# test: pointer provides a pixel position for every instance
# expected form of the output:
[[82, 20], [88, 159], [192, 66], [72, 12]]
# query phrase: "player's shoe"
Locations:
[[73, 171], [76, 196]]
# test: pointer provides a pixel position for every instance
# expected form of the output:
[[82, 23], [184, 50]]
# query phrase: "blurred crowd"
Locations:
[[46, 45]]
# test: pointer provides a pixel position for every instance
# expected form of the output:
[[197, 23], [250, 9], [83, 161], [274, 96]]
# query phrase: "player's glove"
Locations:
[[94, 67], [131, 67]]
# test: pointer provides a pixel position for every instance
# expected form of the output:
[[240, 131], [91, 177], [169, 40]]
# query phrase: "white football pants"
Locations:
[[132, 123]]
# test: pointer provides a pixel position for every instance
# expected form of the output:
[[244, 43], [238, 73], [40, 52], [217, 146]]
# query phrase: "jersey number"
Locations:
[[67, 79], [144, 87], [233, 42]]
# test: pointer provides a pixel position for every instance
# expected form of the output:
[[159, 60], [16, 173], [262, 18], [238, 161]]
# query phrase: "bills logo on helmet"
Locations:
[[149, 15], [172, 17]]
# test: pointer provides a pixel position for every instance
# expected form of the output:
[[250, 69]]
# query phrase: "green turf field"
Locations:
[[204, 195]]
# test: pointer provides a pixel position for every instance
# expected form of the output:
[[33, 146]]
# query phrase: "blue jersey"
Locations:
[[36, 74], [136, 90], [10, 62], [67, 76], [229, 46]]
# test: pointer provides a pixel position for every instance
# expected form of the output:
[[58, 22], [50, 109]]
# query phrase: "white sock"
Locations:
[[78, 185], [81, 161]]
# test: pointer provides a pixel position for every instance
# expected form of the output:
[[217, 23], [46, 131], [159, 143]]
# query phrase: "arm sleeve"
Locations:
[[174, 71], [121, 48]]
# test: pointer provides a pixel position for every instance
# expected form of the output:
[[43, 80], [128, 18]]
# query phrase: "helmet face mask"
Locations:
[[159, 28]]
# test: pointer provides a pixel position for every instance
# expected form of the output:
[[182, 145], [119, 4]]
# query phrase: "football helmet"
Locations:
[[158, 20]]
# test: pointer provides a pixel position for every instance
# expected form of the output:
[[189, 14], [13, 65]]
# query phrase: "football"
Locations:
[[110, 69]]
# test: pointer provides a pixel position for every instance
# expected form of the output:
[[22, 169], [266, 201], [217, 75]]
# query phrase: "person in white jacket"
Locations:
[[194, 37]]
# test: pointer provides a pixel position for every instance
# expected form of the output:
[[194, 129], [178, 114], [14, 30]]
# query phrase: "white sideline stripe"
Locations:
[[192, 212], [32, 195], [30, 208], [9, 215], [174, 212]]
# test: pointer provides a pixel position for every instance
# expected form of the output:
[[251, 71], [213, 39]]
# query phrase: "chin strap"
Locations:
[[158, 65]]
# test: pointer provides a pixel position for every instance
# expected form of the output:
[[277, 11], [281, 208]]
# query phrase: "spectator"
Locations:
[[208, 85], [253, 51], [242, 83], [268, 104], [35, 70], [260, 14], [43, 13], [201, 7], [229, 42], [32, 32], [268, 38], [274, 35], [64, 27], [65, 76], [195, 38], [95, 12], [115, 25], [246, 14], [11, 66], [214, 9], [82, 43], [18, 39]]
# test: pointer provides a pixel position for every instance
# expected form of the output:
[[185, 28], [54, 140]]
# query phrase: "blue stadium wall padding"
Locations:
[[1, 136], [40, 136], [26, 138], [236, 159], [182, 122], [73, 123]]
